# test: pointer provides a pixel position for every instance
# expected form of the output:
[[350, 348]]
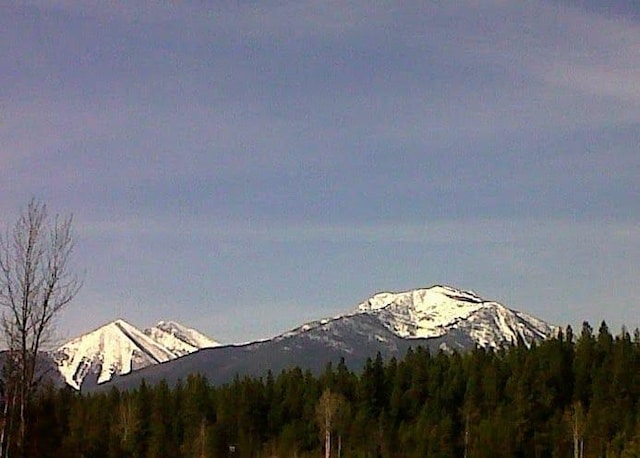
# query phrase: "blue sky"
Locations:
[[243, 167]]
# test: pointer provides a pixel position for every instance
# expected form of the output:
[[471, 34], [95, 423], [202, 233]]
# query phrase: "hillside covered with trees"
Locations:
[[570, 396]]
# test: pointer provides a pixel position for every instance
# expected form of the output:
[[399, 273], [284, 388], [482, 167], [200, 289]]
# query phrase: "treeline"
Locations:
[[570, 396]]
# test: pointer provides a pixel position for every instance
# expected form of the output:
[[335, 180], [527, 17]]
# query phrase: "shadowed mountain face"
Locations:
[[438, 318], [353, 338]]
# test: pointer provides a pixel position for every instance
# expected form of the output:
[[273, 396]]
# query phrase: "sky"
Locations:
[[244, 167]]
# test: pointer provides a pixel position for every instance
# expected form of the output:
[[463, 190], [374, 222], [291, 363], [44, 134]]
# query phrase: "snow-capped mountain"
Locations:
[[434, 312], [437, 318], [459, 318], [119, 348]]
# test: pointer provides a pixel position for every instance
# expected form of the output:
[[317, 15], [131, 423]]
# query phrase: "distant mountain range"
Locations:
[[438, 318]]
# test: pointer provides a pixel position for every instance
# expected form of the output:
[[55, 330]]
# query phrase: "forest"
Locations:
[[575, 395]]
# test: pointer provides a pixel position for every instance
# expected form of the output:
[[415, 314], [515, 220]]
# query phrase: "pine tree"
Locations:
[[161, 442]]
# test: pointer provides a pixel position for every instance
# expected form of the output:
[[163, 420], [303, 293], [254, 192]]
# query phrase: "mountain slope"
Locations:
[[437, 318], [354, 338]]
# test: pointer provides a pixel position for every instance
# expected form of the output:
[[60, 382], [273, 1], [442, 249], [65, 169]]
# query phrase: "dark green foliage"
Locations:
[[535, 402]]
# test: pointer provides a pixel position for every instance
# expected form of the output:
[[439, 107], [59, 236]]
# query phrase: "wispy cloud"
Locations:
[[466, 232]]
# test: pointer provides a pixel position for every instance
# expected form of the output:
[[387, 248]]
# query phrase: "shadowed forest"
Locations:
[[570, 396]]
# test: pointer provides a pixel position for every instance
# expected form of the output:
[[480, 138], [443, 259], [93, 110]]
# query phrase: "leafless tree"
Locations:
[[328, 410], [577, 418], [36, 283]]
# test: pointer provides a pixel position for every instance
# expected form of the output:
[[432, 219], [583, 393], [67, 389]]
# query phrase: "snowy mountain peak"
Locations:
[[422, 299], [433, 312], [119, 347]]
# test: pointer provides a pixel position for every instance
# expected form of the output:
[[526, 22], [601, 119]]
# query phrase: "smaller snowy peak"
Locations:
[[118, 348], [115, 348], [178, 338]]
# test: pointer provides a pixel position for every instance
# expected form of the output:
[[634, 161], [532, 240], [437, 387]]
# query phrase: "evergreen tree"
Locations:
[[556, 399]]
